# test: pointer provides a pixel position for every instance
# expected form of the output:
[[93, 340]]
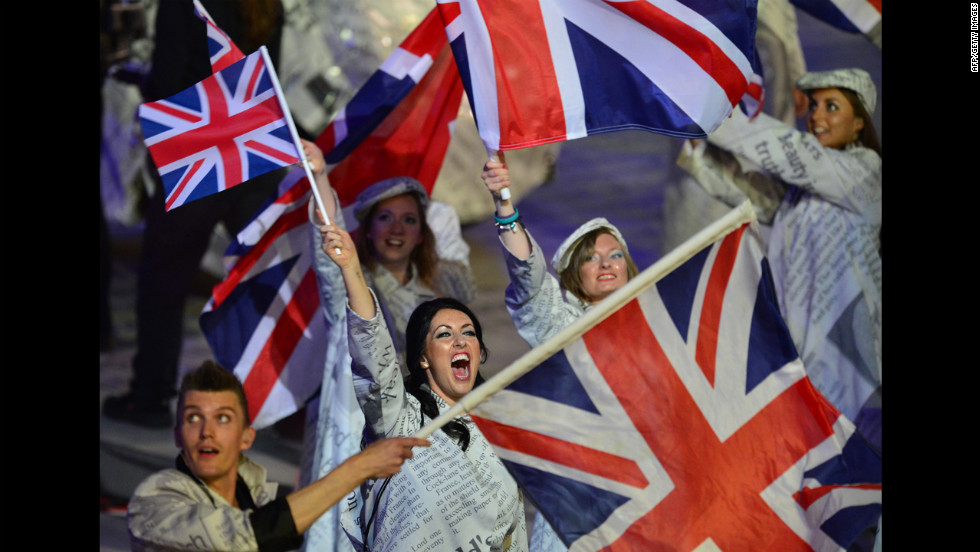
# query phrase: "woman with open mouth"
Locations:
[[456, 493], [820, 194], [412, 250]]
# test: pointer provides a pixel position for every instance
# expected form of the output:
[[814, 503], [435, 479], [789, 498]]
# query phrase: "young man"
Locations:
[[219, 499]]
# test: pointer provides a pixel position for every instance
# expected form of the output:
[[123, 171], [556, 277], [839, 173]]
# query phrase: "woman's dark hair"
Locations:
[[868, 137], [415, 338], [424, 258]]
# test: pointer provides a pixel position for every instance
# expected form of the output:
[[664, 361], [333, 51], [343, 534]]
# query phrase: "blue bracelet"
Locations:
[[508, 220]]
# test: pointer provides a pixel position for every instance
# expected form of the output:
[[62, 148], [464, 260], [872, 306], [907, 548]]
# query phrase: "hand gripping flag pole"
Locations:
[[736, 217], [496, 155]]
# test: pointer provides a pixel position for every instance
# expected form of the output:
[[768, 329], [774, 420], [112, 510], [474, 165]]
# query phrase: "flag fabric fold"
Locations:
[[684, 418], [221, 49], [262, 321], [541, 72], [223, 131], [853, 16]]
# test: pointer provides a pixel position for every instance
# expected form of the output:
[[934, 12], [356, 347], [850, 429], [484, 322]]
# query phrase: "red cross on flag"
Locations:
[[679, 417]]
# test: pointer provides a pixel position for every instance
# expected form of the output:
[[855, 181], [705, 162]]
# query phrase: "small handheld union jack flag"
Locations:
[[224, 130]]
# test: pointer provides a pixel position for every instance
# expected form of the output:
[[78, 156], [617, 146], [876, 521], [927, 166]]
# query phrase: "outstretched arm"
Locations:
[[379, 459]]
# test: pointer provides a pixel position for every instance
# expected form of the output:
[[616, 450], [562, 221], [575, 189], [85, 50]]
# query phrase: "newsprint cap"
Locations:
[[854, 79], [384, 189], [564, 254]]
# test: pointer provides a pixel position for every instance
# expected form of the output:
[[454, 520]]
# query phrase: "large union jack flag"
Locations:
[[224, 130], [262, 320], [221, 49], [685, 421], [540, 72]]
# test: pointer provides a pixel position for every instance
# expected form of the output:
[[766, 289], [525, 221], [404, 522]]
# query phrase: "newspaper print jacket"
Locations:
[[823, 247], [171, 510]]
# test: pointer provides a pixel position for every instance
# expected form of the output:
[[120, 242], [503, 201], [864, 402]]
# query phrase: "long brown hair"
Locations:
[[867, 136]]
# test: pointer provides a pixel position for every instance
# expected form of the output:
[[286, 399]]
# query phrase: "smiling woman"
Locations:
[[591, 263], [399, 248], [820, 194]]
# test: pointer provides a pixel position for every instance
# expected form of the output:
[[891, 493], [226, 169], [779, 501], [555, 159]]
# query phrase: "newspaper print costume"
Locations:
[[172, 510], [444, 498], [823, 248], [334, 420]]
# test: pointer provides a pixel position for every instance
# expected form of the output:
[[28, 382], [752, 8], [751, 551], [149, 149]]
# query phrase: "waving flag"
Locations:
[[222, 50], [853, 16], [410, 137], [541, 72], [403, 112], [224, 130], [684, 421], [262, 320]]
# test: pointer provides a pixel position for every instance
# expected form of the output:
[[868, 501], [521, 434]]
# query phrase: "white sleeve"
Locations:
[[850, 179]]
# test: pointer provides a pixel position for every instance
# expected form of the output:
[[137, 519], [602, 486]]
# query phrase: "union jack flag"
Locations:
[[242, 321], [541, 72], [222, 51], [224, 130], [685, 421], [262, 320]]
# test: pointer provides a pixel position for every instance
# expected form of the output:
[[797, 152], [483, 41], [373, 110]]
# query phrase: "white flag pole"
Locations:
[[307, 166], [708, 235]]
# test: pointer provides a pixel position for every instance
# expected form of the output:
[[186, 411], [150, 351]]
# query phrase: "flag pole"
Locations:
[[307, 166], [600, 311]]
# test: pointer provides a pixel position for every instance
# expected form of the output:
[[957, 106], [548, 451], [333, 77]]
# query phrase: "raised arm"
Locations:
[[339, 247], [850, 179]]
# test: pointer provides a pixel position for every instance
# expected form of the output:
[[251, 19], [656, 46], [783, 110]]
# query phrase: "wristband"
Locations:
[[507, 220]]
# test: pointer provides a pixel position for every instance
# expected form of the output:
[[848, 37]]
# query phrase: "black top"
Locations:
[[273, 524]]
